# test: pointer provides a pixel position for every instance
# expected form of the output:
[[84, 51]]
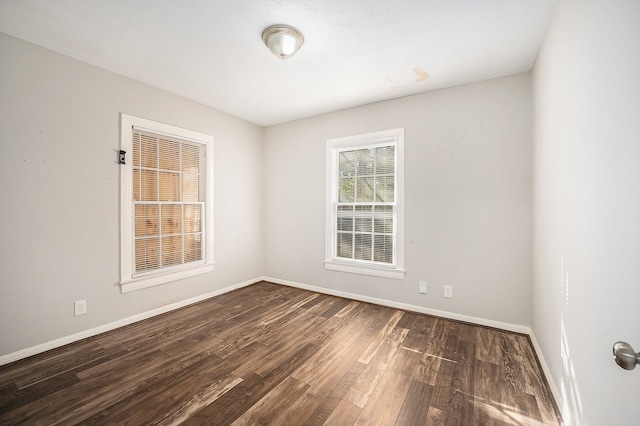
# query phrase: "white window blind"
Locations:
[[167, 202], [365, 208]]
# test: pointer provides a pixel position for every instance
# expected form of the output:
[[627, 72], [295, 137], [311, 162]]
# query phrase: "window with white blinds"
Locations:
[[364, 204], [166, 203]]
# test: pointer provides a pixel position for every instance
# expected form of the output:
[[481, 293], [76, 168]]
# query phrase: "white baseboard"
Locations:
[[516, 328], [34, 350], [557, 396]]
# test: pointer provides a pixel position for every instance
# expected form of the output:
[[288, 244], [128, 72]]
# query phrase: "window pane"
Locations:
[[346, 192], [383, 248], [145, 185], [146, 220], [363, 219], [190, 187], [362, 245], [147, 254], [383, 219], [148, 154], [385, 160], [345, 245], [347, 163], [192, 248], [169, 155], [363, 224], [190, 158], [345, 218], [365, 161], [171, 250], [169, 186], [192, 217], [385, 189], [345, 224], [171, 219], [364, 190]]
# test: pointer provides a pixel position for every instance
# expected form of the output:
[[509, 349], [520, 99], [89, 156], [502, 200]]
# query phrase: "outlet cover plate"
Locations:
[[422, 287], [80, 307], [448, 291]]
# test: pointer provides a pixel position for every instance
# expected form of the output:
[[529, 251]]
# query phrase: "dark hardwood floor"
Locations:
[[270, 354]]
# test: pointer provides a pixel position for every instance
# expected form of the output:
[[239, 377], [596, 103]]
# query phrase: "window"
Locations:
[[365, 193], [166, 189]]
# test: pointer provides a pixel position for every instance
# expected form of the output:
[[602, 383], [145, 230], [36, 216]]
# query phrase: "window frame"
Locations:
[[332, 262], [129, 281]]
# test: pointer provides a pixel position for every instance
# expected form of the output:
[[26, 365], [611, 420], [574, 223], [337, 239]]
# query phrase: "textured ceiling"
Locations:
[[355, 51]]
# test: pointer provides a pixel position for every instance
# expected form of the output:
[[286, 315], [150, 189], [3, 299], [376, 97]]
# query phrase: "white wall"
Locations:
[[467, 191], [59, 130], [586, 264]]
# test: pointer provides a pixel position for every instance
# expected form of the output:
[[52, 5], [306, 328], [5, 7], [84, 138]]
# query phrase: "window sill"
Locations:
[[394, 273], [153, 280]]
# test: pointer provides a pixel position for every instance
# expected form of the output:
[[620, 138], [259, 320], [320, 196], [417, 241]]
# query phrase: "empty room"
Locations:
[[320, 212]]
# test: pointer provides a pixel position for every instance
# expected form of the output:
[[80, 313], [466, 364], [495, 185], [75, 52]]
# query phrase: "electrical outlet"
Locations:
[[448, 291], [422, 287], [80, 307]]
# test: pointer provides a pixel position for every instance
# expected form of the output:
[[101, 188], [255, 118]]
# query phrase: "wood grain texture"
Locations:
[[271, 354]]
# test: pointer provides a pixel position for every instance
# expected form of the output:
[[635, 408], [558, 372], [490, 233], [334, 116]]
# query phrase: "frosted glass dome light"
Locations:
[[282, 40]]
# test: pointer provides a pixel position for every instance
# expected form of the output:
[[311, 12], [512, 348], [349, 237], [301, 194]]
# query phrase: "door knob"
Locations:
[[625, 356]]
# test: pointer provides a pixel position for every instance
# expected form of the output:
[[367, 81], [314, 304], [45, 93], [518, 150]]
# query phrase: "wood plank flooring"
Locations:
[[270, 354]]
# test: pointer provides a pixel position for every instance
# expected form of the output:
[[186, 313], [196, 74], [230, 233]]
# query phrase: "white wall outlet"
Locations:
[[422, 287], [448, 291], [80, 307]]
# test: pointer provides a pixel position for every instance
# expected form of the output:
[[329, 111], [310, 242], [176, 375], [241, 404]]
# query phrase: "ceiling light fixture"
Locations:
[[282, 40]]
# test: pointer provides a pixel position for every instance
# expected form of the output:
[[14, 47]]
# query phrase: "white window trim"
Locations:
[[127, 281], [331, 262]]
